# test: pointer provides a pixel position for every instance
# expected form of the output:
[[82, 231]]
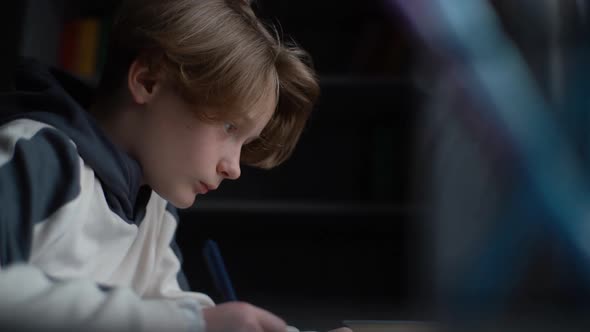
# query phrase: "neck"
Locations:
[[119, 124]]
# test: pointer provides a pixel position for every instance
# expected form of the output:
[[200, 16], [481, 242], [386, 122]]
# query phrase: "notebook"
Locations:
[[389, 326]]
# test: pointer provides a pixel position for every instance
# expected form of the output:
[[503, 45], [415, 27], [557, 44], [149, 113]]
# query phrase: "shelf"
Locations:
[[303, 208], [362, 80]]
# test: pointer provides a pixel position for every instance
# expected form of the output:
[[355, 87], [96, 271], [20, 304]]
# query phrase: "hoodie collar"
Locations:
[[54, 97]]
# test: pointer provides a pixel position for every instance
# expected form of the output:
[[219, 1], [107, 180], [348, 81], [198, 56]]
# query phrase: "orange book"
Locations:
[[88, 42]]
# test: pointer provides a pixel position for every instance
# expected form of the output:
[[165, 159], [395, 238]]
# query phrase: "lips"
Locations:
[[203, 188]]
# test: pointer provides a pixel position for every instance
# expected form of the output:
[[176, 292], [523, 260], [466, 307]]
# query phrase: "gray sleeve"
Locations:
[[39, 173]]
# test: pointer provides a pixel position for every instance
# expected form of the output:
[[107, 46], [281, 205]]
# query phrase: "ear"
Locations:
[[142, 82]]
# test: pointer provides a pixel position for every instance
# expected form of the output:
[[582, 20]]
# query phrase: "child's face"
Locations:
[[183, 156]]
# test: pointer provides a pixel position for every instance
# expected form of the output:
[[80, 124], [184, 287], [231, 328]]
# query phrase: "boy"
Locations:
[[88, 189]]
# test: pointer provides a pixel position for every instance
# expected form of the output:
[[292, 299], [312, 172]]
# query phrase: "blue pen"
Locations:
[[218, 272]]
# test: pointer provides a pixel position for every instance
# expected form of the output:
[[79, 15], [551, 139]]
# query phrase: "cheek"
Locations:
[[162, 153], [201, 151], [199, 154]]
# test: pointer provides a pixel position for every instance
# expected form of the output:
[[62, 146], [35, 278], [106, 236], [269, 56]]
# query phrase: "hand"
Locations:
[[241, 317]]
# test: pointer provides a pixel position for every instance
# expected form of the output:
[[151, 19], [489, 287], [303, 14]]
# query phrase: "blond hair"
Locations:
[[218, 53]]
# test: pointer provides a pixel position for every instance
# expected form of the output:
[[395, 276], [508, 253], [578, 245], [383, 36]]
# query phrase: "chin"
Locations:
[[181, 199], [185, 204], [181, 202]]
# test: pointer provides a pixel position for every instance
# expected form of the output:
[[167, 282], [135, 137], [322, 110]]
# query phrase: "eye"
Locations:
[[229, 128]]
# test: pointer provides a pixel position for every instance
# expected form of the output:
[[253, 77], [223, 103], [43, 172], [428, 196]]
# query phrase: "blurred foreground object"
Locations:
[[505, 149]]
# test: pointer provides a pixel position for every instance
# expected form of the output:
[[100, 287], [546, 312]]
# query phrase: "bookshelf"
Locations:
[[67, 34]]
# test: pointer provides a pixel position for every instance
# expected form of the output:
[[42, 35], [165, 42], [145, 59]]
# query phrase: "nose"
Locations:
[[229, 168]]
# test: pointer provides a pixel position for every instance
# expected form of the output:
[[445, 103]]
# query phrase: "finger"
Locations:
[[270, 322]]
